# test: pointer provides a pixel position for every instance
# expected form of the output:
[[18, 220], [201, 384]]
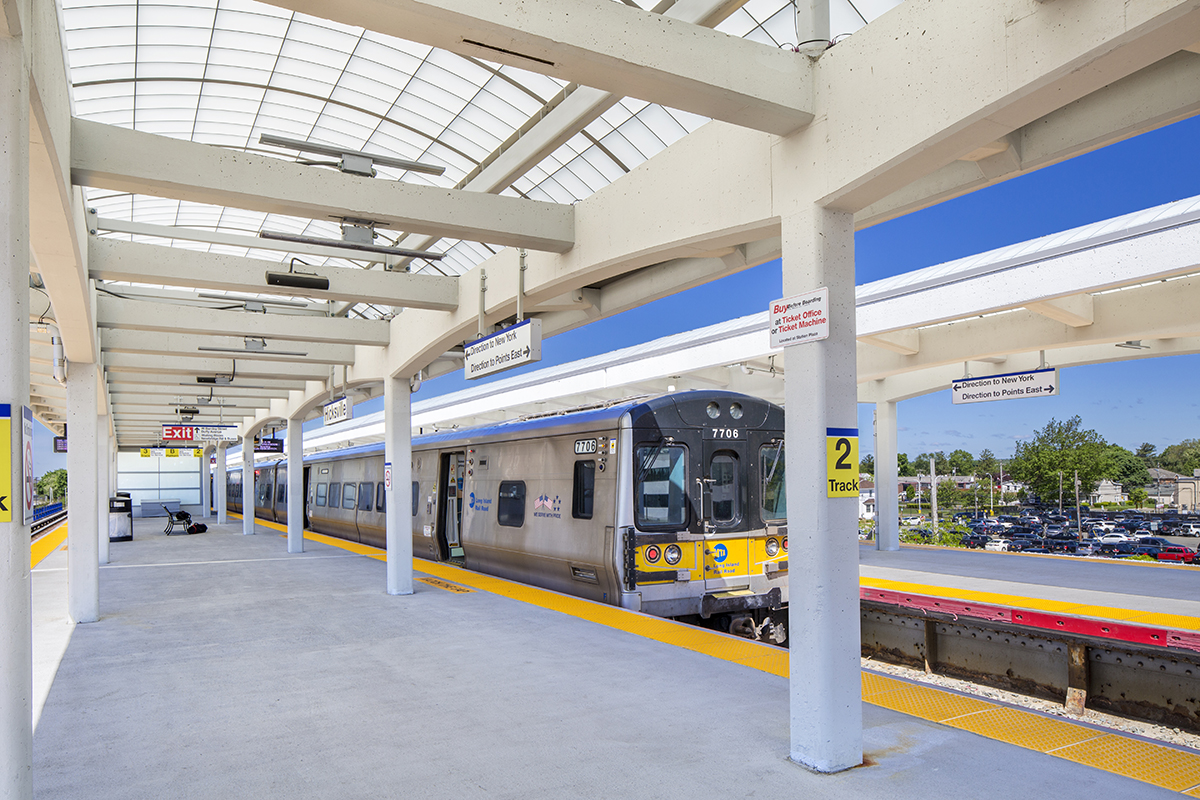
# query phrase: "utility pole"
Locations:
[[1060, 492], [933, 493], [1078, 521]]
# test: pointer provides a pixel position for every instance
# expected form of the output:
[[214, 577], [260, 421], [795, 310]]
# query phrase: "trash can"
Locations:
[[120, 518]]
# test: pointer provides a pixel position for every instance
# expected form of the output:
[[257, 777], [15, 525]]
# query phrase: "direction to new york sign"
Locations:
[[1011, 386]]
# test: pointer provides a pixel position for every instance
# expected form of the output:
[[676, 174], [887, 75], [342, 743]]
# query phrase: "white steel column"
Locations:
[[102, 457], [247, 485], [16, 638], [820, 392], [295, 485], [221, 479], [205, 484], [83, 558], [397, 451], [887, 504]]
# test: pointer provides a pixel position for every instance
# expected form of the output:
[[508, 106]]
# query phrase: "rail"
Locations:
[[47, 516]]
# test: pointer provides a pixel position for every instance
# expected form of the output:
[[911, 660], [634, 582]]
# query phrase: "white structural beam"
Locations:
[[249, 370], [248, 486], [83, 566], [112, 260], [1076, 310], [609, 46], [108, 157], [964, 73], [1157, 95], [397, 415], [295, 485], [189, 345], [137, 315], [125, 381], [887, 507], [221, 484]]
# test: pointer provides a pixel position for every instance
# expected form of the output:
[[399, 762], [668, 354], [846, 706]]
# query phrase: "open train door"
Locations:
[[451, 472], [723, 514]]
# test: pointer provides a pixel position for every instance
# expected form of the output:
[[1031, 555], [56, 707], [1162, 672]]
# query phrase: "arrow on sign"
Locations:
[[3, 500]]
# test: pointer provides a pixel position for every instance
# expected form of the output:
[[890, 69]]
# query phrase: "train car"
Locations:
[[673, 505]]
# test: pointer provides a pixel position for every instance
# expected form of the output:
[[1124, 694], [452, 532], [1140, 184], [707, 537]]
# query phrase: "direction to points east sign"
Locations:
[[1011, 386], [512, 347]]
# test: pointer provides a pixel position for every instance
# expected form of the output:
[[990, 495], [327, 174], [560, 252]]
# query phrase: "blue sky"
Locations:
[[1152, 400]]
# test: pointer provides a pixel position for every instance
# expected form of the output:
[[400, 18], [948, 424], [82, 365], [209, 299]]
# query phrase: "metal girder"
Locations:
[[113, 260], [609, 46], [187, 345], [136, 315], [108, 157]]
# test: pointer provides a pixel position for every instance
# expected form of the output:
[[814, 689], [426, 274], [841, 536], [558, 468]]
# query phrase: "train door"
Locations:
[[723, 492], [450, 505]]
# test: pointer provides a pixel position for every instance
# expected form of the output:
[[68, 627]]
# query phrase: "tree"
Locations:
[[1123, 467], [940, 463], [1146, 452], [904, 468], [987, 464], [867, 464], [910, 492], [1138, 497], [1182, 458], [961, 463], [1059, 447], [53, 483]]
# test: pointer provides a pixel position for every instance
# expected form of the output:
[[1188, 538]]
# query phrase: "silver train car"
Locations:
[[672, 505]]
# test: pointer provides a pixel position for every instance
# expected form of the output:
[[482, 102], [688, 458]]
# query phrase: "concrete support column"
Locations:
[[102, 481], [397, 450], [821, 393], [221, 479], [83, 558], [205, 485], [295, 485], [16, 637], [248, 485], [812, 26], [887, 504]]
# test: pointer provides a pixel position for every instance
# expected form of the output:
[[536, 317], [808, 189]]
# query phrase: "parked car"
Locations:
[[1113, 537], [1086, 547], [1113, 549], [1060, 545], [1177, 552], [1145, 550], [975, 541], [997, 544]]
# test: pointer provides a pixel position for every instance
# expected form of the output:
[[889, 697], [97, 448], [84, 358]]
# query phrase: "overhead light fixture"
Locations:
[[1134, 344], [365, 248], [355, 161]]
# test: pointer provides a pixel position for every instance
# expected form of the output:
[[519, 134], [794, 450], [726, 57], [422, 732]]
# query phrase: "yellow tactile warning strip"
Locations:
[[1155, 764], [1176, 621], [44, 545], [449, 587]]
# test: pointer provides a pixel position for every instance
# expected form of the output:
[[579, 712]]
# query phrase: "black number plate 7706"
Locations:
[[731, 434]]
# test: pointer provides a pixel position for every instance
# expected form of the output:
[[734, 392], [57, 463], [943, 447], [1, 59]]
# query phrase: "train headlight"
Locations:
[[772, 547], [735, 411], [673, 554], [653, 553], [714, 410]]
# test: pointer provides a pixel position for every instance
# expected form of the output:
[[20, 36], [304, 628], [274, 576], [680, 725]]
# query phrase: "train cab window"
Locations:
[[264, 493], [322, 489], [281, 493], [416, 497], [660, 485], [510, 504], [726, 508], [380, 498], [771, 461], [583, 490], [348, 497], [335, 495], [366, 495]]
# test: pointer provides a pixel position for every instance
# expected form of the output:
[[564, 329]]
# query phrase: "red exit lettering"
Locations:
[[177, 433]]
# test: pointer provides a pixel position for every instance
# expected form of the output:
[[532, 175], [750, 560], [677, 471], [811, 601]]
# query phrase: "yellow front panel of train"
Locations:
[[651, 558], [727, 558]]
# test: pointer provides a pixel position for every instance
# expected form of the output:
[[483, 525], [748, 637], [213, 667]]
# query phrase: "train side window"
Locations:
[[416, 497], [583, 489], [348, 497], [380, 498], [281, 495], [366, 494], [335, 495], [510, 504], [660, 486], [322, 489], [264, 493], [771, 461]]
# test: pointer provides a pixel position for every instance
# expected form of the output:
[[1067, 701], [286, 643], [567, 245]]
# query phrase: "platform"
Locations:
[[224, 667]]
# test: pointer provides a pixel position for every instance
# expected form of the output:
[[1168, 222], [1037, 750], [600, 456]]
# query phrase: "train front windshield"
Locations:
[[774, 487], [661, 486]]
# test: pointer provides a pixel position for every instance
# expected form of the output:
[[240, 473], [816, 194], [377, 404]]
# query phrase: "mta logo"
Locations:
[[722, 552], [472, 500]]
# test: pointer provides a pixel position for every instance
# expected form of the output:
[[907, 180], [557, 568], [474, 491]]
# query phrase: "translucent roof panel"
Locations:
[[224, 72]]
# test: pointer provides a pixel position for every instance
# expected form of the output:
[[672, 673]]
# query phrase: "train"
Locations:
[[673, 505]]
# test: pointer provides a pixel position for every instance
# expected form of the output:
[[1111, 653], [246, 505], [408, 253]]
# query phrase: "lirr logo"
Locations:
[[722, 552]]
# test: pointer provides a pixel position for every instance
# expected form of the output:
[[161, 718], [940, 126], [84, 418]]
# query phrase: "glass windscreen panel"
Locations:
[[774, 488], [661, 485], [724, 475]]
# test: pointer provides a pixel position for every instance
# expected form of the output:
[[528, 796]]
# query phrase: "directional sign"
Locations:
[[841, 462], [27, 479], [338, 411], [6, 498], [1011, 386], [512, 347], [178, 433]]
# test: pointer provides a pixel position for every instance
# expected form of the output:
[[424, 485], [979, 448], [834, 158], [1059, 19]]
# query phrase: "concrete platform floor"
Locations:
[[224, 667]]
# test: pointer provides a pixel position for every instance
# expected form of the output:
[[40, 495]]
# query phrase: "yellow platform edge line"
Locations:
[[1021, 602], [46, 544], [885, 692]]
